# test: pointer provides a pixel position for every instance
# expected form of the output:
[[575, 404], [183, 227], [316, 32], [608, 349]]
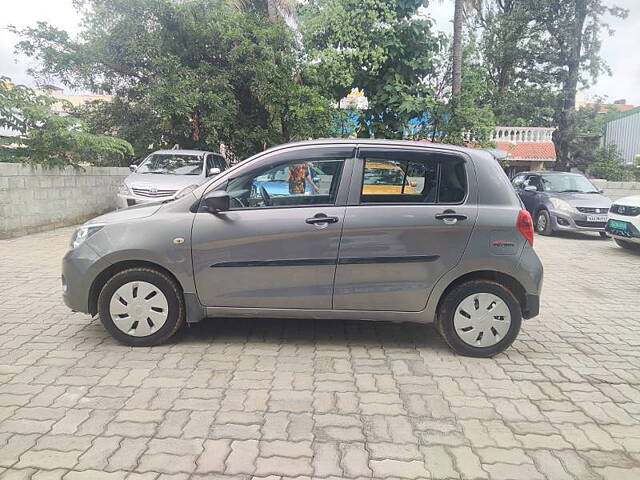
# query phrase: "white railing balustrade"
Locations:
[[522, 134]]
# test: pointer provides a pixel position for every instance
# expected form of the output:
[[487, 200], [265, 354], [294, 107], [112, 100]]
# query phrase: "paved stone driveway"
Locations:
[[236, 399]]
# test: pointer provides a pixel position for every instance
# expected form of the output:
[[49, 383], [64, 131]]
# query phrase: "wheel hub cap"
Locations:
[[542, 223], [139, 309], [482, 320]]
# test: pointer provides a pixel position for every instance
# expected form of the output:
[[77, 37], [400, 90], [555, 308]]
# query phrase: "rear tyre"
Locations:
[[634, 247], [141, 307], [603, 235], [543, 223], [479, 318]]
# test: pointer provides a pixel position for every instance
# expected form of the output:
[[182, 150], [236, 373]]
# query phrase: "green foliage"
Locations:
[[470, 120], [384, 47], [48, 138], [197, 74], [610, 165]]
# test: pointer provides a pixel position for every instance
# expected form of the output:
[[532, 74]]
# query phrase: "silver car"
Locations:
[[168, 173], [389, 230]]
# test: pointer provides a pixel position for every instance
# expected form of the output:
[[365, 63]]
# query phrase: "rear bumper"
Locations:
[[532, 306]]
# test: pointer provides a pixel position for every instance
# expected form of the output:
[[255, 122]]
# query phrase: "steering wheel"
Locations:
[[265, 196], [238, 201]]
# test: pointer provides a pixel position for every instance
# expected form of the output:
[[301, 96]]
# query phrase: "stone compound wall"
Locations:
[[34, 199], [615, 190]]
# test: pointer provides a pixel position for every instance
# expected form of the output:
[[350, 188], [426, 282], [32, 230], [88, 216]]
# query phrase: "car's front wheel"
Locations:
[[479, 318], [543, 223], [141, 307], [634, 247]]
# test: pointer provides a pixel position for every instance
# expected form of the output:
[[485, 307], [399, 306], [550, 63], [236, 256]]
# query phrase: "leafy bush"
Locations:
[[45, 137], [610, 165]]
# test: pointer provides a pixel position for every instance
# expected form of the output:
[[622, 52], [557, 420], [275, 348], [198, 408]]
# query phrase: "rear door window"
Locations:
[[413, 180]]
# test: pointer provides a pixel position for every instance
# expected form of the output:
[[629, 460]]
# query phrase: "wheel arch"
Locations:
[[509, 282], [103, 277]]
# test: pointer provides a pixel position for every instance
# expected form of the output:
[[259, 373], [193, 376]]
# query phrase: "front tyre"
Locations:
[[543, 223], [141, 307], [479, 318]]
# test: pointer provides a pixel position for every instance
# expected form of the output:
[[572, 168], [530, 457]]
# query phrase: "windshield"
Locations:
[[567, 183], [171, 164]]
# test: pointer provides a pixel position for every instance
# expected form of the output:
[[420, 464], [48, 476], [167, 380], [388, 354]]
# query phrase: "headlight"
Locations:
[[82, 233], [124, 190], [559, 204], [185, 190]]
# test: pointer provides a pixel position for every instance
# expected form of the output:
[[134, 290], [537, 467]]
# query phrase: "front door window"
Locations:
[[292, 183]]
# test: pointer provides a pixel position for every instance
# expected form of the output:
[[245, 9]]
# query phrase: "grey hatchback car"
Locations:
[[390, 230], [562, 202]]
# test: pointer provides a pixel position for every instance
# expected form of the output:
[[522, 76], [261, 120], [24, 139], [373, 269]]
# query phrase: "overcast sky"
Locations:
[[621, 51]]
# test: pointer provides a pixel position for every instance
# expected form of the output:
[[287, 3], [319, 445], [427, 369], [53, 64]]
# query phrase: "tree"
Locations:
[[573, 29], [384, 47], [512, 45], [456, 51], [44, 137], [272, 9], [469, 119], [198, 74]]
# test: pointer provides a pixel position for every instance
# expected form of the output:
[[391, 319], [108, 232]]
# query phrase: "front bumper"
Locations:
[[562, 221], [80, 267], [632, 231]]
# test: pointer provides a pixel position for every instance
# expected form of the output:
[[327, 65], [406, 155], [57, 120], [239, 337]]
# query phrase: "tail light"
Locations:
[[525, 225]]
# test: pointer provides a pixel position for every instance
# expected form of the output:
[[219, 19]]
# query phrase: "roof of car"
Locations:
[[185, 152], [550, 172], [382, 142]]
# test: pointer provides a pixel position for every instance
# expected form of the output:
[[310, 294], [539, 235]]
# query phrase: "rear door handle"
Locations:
[[450, 215], [321, 218]]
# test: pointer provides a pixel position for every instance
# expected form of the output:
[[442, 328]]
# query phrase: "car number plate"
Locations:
[[617, 225], [596, 218]]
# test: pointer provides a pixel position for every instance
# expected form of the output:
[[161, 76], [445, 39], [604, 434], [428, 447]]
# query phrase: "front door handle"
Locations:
[[450, 215], [321, 218]]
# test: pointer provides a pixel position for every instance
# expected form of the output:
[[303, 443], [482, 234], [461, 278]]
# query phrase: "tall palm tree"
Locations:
[[456, 51], [460, 7]]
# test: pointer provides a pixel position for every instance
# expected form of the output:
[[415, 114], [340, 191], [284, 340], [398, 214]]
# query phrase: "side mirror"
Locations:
[[217, 201], [530, 188], [214, 171], [133, 168]]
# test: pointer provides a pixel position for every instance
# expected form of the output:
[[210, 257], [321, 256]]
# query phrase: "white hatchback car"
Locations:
[[624, 222]]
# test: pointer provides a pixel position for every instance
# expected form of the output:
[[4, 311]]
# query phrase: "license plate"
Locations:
[[596, 218], [617, 225]]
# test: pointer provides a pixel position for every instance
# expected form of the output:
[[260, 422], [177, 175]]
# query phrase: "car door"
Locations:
[[409, 217], [278, 249], [530, 198]]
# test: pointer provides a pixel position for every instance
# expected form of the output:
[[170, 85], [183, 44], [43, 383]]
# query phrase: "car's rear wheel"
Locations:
[[543, 223], [479, 318], [141, 307], [634, 247], [603, 235]]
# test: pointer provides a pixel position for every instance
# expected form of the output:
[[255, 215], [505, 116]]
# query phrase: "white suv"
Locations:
[[624, 222]]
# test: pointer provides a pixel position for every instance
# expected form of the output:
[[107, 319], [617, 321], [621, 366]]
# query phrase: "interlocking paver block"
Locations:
[[212, 458], [328, 399], [242, 458]]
